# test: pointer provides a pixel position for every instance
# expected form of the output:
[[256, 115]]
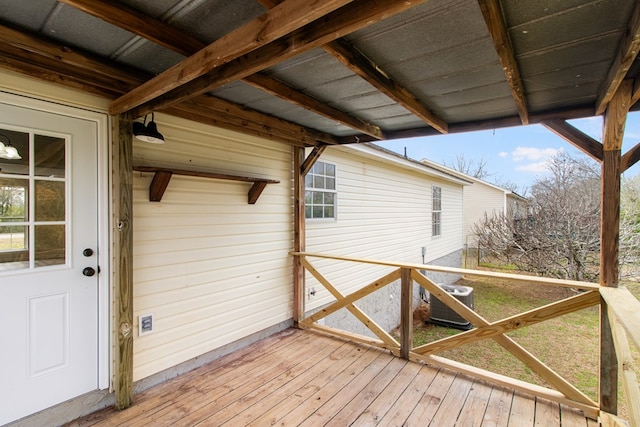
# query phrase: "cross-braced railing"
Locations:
[[624, 314]]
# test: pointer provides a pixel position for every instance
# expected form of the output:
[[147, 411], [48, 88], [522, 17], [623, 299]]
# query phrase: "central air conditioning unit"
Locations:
[[442, 315]]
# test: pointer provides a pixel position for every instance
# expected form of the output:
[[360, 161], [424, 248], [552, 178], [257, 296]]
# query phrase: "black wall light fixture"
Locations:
[[8, 151], [147, 132]]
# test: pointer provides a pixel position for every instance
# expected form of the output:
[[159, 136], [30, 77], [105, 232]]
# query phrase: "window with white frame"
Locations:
[[320, 191], [436, 211]]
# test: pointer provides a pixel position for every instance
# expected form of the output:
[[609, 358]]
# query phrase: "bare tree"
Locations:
[[559, 236], [475, 168], [630, 226]]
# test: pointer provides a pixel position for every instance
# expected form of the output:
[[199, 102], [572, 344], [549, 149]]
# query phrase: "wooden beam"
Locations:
[[575, 137], [123, 189], [47, 60], [312, 159], [299, 235], [275, 23], [136, 22], [217, 108], [630, 158], [635, 95], [130, 19], [490, 124], [406, 313], [354, 16], [614, 123], [369, 71], [494, 19], [281, 90], [626, 55], [361, 65]]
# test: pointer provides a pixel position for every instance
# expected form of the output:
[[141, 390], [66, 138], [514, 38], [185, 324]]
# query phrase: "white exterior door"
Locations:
[[48, 260]]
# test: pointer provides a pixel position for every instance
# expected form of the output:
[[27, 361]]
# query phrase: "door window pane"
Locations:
[[49, 245], [49, 154], [49, 203], [20, 141], [13, 200]]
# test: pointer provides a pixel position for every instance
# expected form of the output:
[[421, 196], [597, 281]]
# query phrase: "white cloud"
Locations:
[[533, 154], [503, 154], [536, 167]]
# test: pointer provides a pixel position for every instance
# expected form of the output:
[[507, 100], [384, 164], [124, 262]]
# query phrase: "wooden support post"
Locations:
[[298, 234], [406, 313], [123, 221], [614, 123]]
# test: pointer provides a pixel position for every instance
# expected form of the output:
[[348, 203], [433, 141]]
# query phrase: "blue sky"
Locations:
[[515, 154]]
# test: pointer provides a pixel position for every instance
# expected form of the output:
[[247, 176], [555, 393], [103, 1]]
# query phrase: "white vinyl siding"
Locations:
[[384, 213], [480, 199], [210, 267]]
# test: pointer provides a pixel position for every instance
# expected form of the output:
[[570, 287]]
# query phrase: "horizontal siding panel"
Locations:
[[383, 213], [206, 263]]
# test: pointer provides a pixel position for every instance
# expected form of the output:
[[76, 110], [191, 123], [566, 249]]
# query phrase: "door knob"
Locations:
[[87, 252], [88, 271]]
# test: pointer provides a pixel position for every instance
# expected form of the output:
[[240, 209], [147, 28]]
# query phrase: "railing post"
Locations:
[[406, 313], [298, 235]]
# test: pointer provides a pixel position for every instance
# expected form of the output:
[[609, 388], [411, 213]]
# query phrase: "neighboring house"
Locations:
[[482, 199], [384, 209]]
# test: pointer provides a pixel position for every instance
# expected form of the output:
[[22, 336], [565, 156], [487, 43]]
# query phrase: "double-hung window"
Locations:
[[320, 195], [436, 211]]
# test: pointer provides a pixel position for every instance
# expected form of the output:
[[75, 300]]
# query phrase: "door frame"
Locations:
[[102, 120]]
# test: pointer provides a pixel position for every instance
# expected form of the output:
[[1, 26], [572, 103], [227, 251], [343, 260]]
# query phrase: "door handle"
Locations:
[[88, 271]]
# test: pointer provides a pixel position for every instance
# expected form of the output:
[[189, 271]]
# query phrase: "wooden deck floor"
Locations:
[[299, 378]]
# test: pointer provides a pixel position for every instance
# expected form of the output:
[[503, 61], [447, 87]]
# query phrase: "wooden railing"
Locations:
[[624, 315]]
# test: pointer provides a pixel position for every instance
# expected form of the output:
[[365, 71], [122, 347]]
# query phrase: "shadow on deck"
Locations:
[[298, 378]]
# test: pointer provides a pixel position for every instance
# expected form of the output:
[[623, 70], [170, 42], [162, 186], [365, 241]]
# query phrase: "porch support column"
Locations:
[[123, 235], [299, 234], [614, 122], [406, 313]]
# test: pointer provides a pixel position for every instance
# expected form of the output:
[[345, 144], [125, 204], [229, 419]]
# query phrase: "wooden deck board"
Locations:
[[300, 378]]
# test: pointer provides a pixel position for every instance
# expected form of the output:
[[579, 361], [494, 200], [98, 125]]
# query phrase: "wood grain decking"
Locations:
[[299, 378]]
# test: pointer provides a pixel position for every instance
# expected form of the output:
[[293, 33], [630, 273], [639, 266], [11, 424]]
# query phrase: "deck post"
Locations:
[[299, 234], [614, 123], [123, 235], [406, 313]]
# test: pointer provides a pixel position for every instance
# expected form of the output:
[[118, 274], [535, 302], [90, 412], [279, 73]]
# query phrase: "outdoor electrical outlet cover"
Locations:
[[145, 324]]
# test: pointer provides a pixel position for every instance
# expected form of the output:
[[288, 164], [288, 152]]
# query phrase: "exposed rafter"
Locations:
[[494, 19], [627, 53], [362, 66], [369, 71], [576, 138], [44, 59], [489, 124], [348, 19], [277, 22], [277, 88], [123, 16]]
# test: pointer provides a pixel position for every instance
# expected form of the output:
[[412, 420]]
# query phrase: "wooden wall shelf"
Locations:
[[163, 176]]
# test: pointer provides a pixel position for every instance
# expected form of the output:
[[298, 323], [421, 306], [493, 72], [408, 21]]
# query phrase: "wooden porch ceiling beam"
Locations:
[[627, 53], [277, 22], [352, 17], [361, 65], [281, 90], [576, 137], [159, 32], [47, 60], [494, 19], [369, 71]]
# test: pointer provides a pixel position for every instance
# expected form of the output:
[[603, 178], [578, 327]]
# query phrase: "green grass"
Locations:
[[568, 344]]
